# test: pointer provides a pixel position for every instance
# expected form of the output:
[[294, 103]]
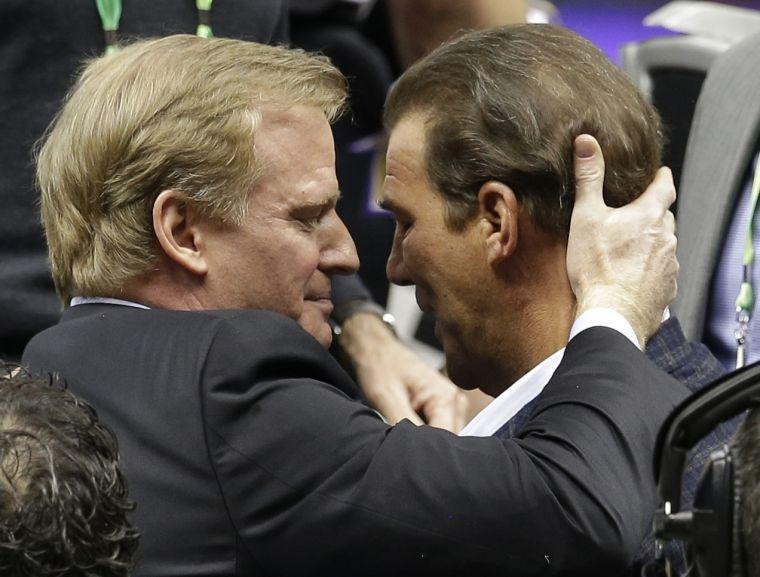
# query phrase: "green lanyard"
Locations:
[[110, 13], [745, 301], [204, 18]]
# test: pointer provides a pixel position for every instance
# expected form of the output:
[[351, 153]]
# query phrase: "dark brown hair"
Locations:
[[507, 103]]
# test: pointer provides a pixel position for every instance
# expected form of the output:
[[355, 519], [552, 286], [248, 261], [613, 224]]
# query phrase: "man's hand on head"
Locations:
[[621, 258]]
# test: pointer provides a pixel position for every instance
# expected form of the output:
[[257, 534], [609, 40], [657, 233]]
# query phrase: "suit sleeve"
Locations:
[[316, 484], [349, 288]]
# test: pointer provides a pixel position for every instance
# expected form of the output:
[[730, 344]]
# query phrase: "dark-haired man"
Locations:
[[480, 179], [63, 499]]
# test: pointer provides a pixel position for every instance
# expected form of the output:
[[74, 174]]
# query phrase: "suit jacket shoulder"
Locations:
[[147, 373]]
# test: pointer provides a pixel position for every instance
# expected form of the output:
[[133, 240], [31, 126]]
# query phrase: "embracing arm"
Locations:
[[304, 468]]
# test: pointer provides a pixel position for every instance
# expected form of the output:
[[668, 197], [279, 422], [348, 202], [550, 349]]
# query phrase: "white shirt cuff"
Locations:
[[601, 317]]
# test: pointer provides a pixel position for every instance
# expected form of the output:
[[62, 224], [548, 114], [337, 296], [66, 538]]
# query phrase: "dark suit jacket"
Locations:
[[247, 456], [693, 365]]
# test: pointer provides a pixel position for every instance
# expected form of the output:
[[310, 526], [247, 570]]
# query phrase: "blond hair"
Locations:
[[174, 113]]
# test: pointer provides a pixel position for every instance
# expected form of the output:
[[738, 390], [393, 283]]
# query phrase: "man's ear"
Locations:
[[499, 212], [176, 228]]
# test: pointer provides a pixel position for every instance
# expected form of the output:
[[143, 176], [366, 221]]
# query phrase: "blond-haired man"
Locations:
[[188, 184]]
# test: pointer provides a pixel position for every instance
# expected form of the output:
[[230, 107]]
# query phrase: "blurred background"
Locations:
[[611, 23]]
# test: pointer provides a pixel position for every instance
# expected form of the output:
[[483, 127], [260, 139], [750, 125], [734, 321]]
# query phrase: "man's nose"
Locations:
[[340, 256], [395, 268]]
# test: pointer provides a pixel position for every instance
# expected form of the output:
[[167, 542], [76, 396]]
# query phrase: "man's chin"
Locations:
[[461, 369], [460, 376]]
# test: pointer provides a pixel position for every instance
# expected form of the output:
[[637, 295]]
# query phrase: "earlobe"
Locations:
[[177, 232], [499, 211]]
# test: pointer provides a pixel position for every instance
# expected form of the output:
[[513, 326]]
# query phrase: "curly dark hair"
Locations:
[[63, 499]]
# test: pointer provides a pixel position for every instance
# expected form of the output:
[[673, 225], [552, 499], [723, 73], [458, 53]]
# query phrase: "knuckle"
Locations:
[[589, 173]]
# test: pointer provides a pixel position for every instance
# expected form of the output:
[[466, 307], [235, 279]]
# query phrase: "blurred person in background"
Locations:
[[717, 216], [63, 498]]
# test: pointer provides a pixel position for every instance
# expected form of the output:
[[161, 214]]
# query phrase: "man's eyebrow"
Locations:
[[330, 199], [387, 203]]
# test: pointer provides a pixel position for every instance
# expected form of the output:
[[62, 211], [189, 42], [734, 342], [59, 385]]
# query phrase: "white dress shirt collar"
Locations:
[[75, 301], [530, 385]]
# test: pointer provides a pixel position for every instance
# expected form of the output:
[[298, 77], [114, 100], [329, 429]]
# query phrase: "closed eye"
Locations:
[[403, 219], [311, 216], [312, 221], [403, 226]]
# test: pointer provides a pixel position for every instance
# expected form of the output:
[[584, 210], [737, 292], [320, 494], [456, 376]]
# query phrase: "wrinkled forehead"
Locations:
[[296, 151], [407, 144], [406, 176]]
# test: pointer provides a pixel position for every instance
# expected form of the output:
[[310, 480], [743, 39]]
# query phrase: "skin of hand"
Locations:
[[398, 383], [622, 258]]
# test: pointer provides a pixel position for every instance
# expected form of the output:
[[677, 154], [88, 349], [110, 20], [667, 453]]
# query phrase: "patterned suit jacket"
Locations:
[[693, 365]]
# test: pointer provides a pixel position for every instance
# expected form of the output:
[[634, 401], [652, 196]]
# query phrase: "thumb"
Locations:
[[589, 171]]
